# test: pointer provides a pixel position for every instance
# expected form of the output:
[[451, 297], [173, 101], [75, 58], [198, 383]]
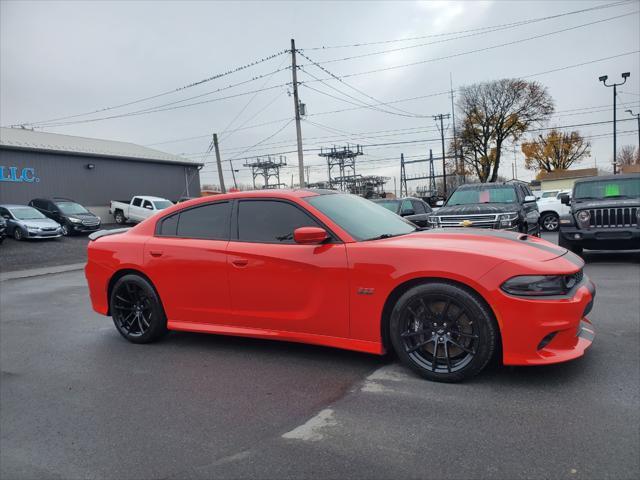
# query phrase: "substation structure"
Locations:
[[430, 189], [268, 168]]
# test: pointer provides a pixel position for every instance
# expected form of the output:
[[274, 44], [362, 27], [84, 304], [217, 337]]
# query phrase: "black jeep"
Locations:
[[507, 206], [604, 214]]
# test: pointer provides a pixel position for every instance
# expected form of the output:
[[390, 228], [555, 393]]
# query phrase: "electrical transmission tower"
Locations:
[[429, 191], [441, 117], [341, 165], [267, 167]]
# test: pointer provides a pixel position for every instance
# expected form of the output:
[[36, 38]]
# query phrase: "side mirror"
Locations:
[[439, 203], [148, 207], [564, 199], [310, 235], [7, 217], [407, 211], [529, 198]]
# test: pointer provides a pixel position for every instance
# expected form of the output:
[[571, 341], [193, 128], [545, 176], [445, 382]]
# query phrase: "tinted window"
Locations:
[[612, 188], [136, 202], [147, 204], [270, 221], [169, 226], [418, 206], [209, 221], [483, 194]]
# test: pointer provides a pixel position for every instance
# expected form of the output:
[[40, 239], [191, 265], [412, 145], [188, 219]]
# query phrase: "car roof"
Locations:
[[14, 205], [478, 186], [608, 177]]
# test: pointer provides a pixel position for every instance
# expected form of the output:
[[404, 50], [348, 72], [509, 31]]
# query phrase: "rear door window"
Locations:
[[209, 222], [137, 202]]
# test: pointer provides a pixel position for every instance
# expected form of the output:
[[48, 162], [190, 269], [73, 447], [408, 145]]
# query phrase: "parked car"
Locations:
[[3, 229], [334, 269], [72, 217], [551, 209], [137, 209], [413, 209], [27, 222], [506, 206], [603, 214]]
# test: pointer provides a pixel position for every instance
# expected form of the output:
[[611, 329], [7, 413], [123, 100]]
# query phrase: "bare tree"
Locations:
[[493, 113], [555, 151], [629, 155]]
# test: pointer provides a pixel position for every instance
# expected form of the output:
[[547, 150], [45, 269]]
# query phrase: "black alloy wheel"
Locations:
[[550, 222], [443, 332], [136, 310]]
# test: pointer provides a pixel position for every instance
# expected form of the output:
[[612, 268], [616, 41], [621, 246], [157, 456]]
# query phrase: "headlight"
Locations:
[[583, 216], [507, 219], [75, 220], [541, 285]]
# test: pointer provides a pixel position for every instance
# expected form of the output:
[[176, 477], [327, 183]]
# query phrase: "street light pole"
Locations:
[[637, 115], [603, 79]]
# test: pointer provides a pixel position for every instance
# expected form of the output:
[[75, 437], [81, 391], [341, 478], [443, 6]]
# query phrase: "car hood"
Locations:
[[498, 244], [39, 223], [478, 208], [606, 203]]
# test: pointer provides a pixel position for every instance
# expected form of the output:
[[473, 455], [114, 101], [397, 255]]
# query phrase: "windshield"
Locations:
[[361, 218], [391, 205], [484, 194], [624, 187], [26, 213], [71, 208], [162, 204], [549, 194]]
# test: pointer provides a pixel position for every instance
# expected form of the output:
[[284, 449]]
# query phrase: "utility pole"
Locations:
[[296, 101], [603, 79], [455, 137], [441, 117], [637, 115], [233, 174], [219, 162]]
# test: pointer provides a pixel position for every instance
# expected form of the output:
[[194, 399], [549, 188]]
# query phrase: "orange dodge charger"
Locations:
[[322, 267]]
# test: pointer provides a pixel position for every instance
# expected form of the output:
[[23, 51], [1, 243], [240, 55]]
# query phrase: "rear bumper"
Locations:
[[603, 239]]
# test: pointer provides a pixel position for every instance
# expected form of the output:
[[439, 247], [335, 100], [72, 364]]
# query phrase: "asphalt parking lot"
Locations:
[[78, 401]]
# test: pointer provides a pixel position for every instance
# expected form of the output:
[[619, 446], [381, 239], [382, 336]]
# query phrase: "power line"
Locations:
[[484, 49], [504, 25], [168, 92]]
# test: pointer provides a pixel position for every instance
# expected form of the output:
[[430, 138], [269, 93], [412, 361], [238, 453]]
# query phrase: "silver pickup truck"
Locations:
[[137, 209]]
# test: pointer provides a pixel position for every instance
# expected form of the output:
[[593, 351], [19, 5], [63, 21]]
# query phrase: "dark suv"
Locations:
[[72, 217], [3, 229], [413, 209], [604, 214], [506, 206]]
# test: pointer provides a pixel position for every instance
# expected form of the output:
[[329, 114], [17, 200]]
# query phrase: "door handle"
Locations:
[[240, 262], [155, 253]]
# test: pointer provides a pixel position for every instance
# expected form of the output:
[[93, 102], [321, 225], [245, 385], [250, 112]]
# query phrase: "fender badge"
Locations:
[[466, 223], [366, 291]]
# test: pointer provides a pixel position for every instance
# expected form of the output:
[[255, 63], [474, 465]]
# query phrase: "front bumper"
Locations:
[[47, 234], [602, 238], [80, 228]]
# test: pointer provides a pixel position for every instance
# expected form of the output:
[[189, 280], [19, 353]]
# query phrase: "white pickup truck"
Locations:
[[139, 208], [551, 209]]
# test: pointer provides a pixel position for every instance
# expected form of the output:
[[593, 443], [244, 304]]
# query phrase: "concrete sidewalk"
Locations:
[[36, 272]]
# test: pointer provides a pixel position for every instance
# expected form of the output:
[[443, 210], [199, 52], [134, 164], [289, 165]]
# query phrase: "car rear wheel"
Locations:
[[136, 310], [443, 332], [550, 222], [18, 234], [119, 218]]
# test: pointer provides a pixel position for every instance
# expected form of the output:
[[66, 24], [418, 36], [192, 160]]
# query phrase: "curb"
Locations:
[[37, 272]]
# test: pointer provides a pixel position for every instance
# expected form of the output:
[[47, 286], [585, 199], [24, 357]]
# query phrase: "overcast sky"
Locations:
[[59, 59]]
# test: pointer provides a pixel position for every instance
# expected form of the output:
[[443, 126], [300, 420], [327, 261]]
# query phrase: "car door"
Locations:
[[187, 261], [530, 209], [135, 210], [421, 214], [277, 284]]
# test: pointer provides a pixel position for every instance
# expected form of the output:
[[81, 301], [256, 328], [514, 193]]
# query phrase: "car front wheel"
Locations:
[[550, 222], [65, 230], [136, 310], [18, 234], [443, 332]]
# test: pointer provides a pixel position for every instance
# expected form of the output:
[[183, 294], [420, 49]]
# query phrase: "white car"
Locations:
[[551, 209], [139, 208]]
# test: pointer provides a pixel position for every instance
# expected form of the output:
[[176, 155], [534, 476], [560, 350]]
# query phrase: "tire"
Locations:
[[18, 234], [572, 247], [119, 217], [136, 310], [65, 230], [450, 319], [550, 222]]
